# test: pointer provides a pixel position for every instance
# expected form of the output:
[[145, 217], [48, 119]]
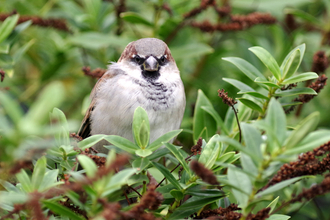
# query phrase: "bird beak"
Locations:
[[150, 64]]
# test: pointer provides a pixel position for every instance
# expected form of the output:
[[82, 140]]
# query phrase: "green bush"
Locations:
[[251, 158]]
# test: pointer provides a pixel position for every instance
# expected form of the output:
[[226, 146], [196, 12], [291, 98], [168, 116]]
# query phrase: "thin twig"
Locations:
[[238, 124], [135, 191]]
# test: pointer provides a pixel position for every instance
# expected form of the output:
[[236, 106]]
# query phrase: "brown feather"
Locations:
[[85, 127]]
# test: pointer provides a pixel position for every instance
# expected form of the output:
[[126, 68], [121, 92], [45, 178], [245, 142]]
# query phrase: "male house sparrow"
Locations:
[[145, 75]]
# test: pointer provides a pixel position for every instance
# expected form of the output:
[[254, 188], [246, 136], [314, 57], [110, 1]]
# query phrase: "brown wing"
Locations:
[[85, 127]]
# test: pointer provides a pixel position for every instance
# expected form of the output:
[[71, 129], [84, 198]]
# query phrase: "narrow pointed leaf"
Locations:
[[122, 143], [39, 172], [61, 210], [252, 138], [242, 181], [88, 165], [239, 85], [143, 152], [296, 91], [135, 18], [252, 105], [305, 126], [304, 15], [203, 124], [191, 206], [278, 186], [90, 141], [268, 60], [140, 164], [254, 94], [167, 175], [141, 127], [217, 118], [300, 78], [8, 26], [25, 181], [310, 142], [276, 119], [267, 83], [179, 157], [291, 64], [292, 61], [164, 138], [247, 68]]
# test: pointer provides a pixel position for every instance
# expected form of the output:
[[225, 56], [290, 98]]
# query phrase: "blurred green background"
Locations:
[[43, 65]]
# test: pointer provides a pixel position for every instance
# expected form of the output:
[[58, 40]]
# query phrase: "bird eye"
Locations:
[[162, 60], [137, 58]]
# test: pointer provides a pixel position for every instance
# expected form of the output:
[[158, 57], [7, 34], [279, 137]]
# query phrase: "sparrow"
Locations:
[[145, 75]]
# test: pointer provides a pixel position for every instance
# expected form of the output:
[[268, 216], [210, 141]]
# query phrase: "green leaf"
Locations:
[[58, 118], [158, 153], [25, 181], [235, 144], [268, 60], [9, 187], [292, 61], [207, 193], [190, 50], [252, 105], [117, 181], [210, 152], [303, 128], [305, 16], [177, 194], [247, 68], [8, 26], [20, 52], [122, 143], [216, 117], [192, 205], [178, 156], [252, 138], [223, 158], [140, 164], [143, 152], [254, 94], [135, 18], [11, 107], [96, 40], [38, 172], [272, 205], [167, 175], [203, 124], [300, 78], [141, 127], [267, 83], [164, 138], [14, 36], [278, 186], [248, 165], [49, 98], [88, 165], [61, 210], [49, 180], [90, 141], [296, 91], [239, 85], [278, 217], [242, 181], [311, 141], [4, 48], [276, 120]]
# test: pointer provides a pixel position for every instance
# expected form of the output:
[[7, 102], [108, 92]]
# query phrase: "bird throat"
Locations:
[[150, 75]]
